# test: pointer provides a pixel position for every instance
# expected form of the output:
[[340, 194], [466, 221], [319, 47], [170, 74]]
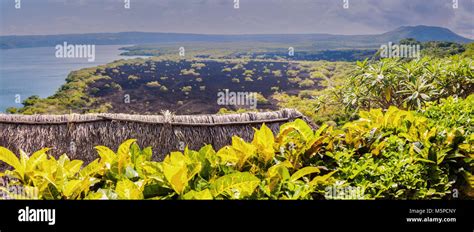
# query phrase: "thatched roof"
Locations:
[[77, 134]]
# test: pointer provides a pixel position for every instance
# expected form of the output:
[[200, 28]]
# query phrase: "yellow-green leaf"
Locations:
[[378, 148], [243, 150], [124, 148], [201, 195], [36, 158], [303, 172], [71, 187], [8, 157], [263, 140], [126, 189], [73, 167], [176, 171], [299, 125], [107, 156], [321, 179], [227, 155], [236, 185], [92, 168]]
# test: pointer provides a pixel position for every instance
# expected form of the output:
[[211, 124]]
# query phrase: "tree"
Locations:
[[31, 100]]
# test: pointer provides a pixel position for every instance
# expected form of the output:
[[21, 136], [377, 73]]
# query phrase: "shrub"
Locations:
[[163, 88], [116, 86], [248, 73], [133, 78], [94, 90], [306, 83], [292, 73], [316, 75], [260, 98], [153, 84], [294, 80], [191, 72], [407, 84], [198, 65], [387, 155], [277, 73], [187, 89]]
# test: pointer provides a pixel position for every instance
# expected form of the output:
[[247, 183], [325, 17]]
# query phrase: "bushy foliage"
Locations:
[[407, 84], [397, 154]]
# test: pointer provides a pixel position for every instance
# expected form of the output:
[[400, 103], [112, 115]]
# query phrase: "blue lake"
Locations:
[[37, 71]]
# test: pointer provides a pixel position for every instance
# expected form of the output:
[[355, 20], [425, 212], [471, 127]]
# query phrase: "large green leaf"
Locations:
[[201, 195], [303, 172], [264, 140], [298, 125], [176, 171], [236, 185], [36, 158], [107, 156], [227, 155], [8, 157], [124, 148], [124, 156], [243, 151], [275, 177], [71, 187], [73, 167], [91, 169], [322, 179], [126, 189]]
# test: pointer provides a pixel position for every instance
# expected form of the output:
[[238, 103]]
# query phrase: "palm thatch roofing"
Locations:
[[78, 134]]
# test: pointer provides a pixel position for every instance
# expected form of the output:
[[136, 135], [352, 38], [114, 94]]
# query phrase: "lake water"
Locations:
[[37, 71]]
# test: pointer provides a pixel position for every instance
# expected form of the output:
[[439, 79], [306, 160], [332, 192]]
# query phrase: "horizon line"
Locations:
[[224, 34]]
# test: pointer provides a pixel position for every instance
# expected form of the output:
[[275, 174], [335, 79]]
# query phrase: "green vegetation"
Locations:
[[306, 83], [198, 65], [408, 85], [70, 97], [153, 84], [469, 50], [133, 77], [189, 72], [248, 79], [187, 88], [236, 80], [387, 129], [260, 98], [163, 88], [439, 48], [393, 155]]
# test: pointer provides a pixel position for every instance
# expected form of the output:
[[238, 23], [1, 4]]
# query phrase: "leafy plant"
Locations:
[[392, 154], [407, 84]]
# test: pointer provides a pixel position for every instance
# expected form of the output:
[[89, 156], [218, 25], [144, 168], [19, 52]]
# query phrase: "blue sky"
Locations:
[[219, 16]]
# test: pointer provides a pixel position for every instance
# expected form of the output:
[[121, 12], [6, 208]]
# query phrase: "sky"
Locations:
[[41, 17]]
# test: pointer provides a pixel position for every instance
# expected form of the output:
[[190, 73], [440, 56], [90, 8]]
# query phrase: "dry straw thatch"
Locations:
[[77, 134]]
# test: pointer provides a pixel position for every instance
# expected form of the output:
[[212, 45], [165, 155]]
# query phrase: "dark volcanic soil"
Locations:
[[129, 89]]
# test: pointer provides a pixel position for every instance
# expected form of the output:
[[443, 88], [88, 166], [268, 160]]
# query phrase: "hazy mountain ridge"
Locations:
[[420, 33]]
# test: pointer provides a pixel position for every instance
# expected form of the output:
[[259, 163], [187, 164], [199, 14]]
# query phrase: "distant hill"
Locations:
[[317, 41], [424, 34]]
